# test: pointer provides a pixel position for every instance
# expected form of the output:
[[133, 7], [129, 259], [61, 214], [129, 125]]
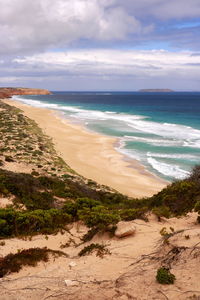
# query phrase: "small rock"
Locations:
[[124, 229], [72, 264], [69, 282]]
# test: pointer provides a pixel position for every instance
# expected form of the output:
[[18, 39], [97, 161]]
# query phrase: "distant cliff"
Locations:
[[156, 90], [8, 92]]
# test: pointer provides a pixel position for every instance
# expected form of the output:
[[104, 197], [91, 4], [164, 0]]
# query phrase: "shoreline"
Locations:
[[93, 155]]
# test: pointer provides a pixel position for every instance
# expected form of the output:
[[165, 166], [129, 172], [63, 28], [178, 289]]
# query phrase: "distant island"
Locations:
[[156, 90]]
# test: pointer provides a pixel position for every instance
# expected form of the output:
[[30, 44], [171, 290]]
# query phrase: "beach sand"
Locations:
[[93, 155], [128, 273]]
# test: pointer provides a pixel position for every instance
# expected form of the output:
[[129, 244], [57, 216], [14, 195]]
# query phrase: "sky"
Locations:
[[79, 45]]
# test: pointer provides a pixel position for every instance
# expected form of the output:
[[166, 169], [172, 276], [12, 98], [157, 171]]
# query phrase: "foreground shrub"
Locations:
[[164, 276], [99, 217], [180, 197], [31, 222], [30, 257], [161, 211], [100, 250], [195, 174], [133, 213]]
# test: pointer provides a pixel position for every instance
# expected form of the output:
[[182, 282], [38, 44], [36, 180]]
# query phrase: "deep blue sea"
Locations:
[[161, 130]]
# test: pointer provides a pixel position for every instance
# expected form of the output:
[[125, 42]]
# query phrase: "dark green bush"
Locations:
[[133, 213], [31, 222], [100, 250], [161, 211], [99, 217], [30, 257], [195, 174], [180, 197], [164, 276]]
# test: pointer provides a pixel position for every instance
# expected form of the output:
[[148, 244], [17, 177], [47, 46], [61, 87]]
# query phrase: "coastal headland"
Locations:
[[8, 92]]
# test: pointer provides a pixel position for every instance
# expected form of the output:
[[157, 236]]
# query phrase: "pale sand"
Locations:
[[123, 275], [93, 155]]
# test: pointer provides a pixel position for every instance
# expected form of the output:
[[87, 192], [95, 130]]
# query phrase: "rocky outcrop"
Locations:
[[9, 92], [124, 229]]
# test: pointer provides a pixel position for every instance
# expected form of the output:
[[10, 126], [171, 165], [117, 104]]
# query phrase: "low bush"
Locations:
[[99, 217], [100, 250], [164, 276], [180, 197], [29, 257], [161, 211], [133, 213], [14, 223]]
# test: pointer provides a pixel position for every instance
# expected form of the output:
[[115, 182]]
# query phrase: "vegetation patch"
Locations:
[[100, 250], [164, 276], [30, 257], [18, 223]]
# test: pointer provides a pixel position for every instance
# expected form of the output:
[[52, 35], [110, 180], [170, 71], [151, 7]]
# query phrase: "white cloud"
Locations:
[[39, 24], [103, 62]]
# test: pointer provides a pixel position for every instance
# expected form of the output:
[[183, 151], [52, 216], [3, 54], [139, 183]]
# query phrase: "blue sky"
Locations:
[[100, 44]]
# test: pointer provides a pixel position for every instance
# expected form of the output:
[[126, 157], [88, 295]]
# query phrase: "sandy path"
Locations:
[[93, 155]]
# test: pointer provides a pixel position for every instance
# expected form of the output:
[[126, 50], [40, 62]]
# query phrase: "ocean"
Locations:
[[161, 130]]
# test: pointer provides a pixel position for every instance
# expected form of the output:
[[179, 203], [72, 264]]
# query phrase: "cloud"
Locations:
[[104, 69], [162, 9], [46, 41], [112, 62], [27, 25], [33, 26]]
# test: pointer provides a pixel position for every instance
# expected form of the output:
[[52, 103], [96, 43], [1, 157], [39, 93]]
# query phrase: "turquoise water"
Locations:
[[161, 130]]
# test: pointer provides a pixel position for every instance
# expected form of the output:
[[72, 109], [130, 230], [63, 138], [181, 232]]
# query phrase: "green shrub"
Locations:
[[164, 276], [195, 174], [90, 234], [99, 217], [100, 250], [133, 213], [14, 223], [197, 206], [180, 197], [70, 208], [30, 257], [161, 211]]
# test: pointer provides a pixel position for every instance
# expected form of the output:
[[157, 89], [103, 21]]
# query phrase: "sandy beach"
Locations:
[[93, 155]]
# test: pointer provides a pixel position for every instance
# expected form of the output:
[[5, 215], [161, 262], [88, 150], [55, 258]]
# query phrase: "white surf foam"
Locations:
[[173, 156], [173, 171]]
